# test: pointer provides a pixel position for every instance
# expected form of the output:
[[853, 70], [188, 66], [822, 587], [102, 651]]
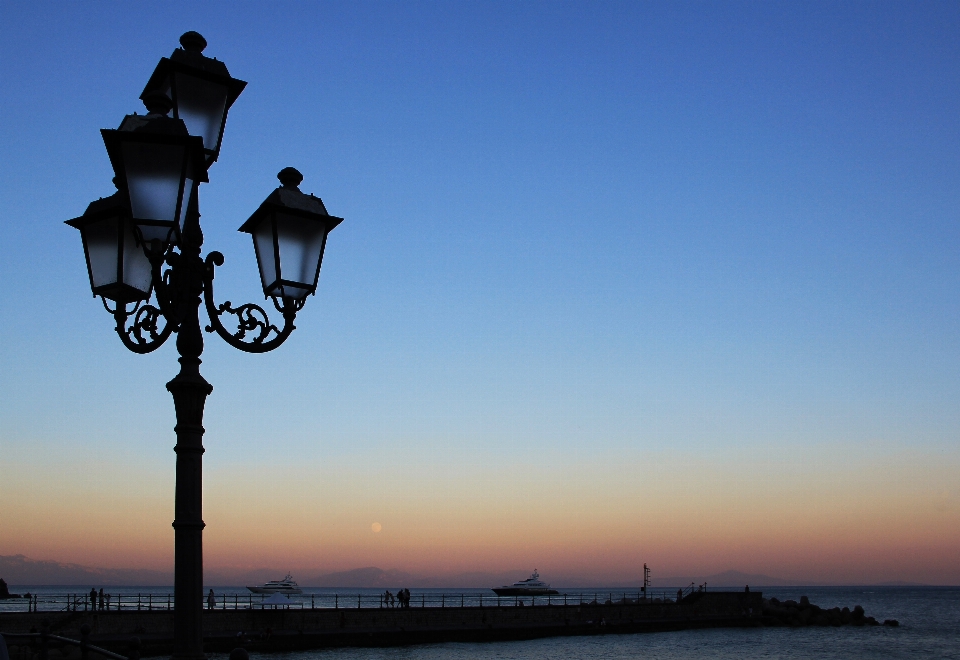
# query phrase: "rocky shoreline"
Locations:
[[804, 613]]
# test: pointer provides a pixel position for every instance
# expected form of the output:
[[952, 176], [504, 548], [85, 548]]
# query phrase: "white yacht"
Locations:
[[284, 586], [532, 586]]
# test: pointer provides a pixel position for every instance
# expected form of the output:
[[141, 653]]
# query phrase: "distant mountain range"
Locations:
[[366, 578], [727, 579], [21, 570], [18, 569], [372, 577]]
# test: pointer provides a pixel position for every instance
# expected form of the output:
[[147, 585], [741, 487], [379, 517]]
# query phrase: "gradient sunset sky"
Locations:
[[674, 283]]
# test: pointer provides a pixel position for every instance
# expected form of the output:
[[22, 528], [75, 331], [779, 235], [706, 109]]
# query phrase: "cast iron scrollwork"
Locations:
[[142, 335], [255, 333]]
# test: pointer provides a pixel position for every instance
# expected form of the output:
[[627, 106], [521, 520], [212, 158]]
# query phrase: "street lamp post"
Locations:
[[143, 252]]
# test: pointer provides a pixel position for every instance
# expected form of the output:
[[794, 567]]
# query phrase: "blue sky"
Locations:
[[631, 235]]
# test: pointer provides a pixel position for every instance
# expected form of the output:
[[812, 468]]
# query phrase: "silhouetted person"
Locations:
[[101, 599], [211, 600], [406, 598], [746, 589], [93, 599], [679, 595]]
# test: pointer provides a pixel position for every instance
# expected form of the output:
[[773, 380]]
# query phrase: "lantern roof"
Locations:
[[289, 198], [189, 58], [156, 120], [155, 126], [98, 208]]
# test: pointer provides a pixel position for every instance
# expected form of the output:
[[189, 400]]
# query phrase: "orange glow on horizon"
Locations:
[[585, 525]]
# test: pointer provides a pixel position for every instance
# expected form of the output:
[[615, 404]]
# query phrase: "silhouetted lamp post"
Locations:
[[142, 247]]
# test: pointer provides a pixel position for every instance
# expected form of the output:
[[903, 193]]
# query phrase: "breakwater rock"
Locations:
[[805, 613], [5, 591]]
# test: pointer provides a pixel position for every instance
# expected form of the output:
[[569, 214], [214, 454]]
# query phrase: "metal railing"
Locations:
[[71, 602], [146, 601]]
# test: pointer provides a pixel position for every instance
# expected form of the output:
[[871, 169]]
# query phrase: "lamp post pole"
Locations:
[[143, 252], [190, 391]]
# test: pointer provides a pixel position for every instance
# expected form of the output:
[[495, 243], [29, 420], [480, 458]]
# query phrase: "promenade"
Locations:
[[300, 629]]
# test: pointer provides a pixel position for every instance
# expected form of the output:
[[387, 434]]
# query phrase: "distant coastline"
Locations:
[[21, 570]]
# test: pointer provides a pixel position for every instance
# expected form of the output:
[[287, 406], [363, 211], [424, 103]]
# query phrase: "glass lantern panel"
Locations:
[[201, 105], [153, 174], [263, 243], [188, 192], [295, 292], [136, 266], [158, 232], [103, 246], [300, 241]]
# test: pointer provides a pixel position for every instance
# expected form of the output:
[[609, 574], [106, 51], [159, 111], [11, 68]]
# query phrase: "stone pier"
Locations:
[[296, 629]]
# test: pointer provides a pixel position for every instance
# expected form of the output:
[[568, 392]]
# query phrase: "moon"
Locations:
[[376, 527]]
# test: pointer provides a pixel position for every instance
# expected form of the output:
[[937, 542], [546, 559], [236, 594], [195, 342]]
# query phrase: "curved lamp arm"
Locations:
[[255, 333], [162, 287], [141, 336]]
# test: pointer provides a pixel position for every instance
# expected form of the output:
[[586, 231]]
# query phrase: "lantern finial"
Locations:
[[290, 177], [193, 42]]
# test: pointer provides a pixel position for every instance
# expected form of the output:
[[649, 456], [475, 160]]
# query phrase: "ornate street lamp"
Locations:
[[118, 268], [289, 233], [158, 164], [200, 90], [143, 252]]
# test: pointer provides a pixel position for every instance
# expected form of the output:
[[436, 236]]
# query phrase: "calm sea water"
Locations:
[[929, 628]]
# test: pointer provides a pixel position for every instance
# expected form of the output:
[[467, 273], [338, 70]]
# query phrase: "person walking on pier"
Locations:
[[93, 599], [101, 599], [211, 601]]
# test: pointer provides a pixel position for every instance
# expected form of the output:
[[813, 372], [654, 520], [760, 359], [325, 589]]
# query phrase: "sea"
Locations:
[[929, 619]]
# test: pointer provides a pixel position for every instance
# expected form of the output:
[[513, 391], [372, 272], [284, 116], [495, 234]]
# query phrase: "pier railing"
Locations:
[[142, 601]]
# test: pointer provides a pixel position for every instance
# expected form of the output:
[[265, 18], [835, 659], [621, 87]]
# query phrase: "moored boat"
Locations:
[[284, 586], [532, 586]]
